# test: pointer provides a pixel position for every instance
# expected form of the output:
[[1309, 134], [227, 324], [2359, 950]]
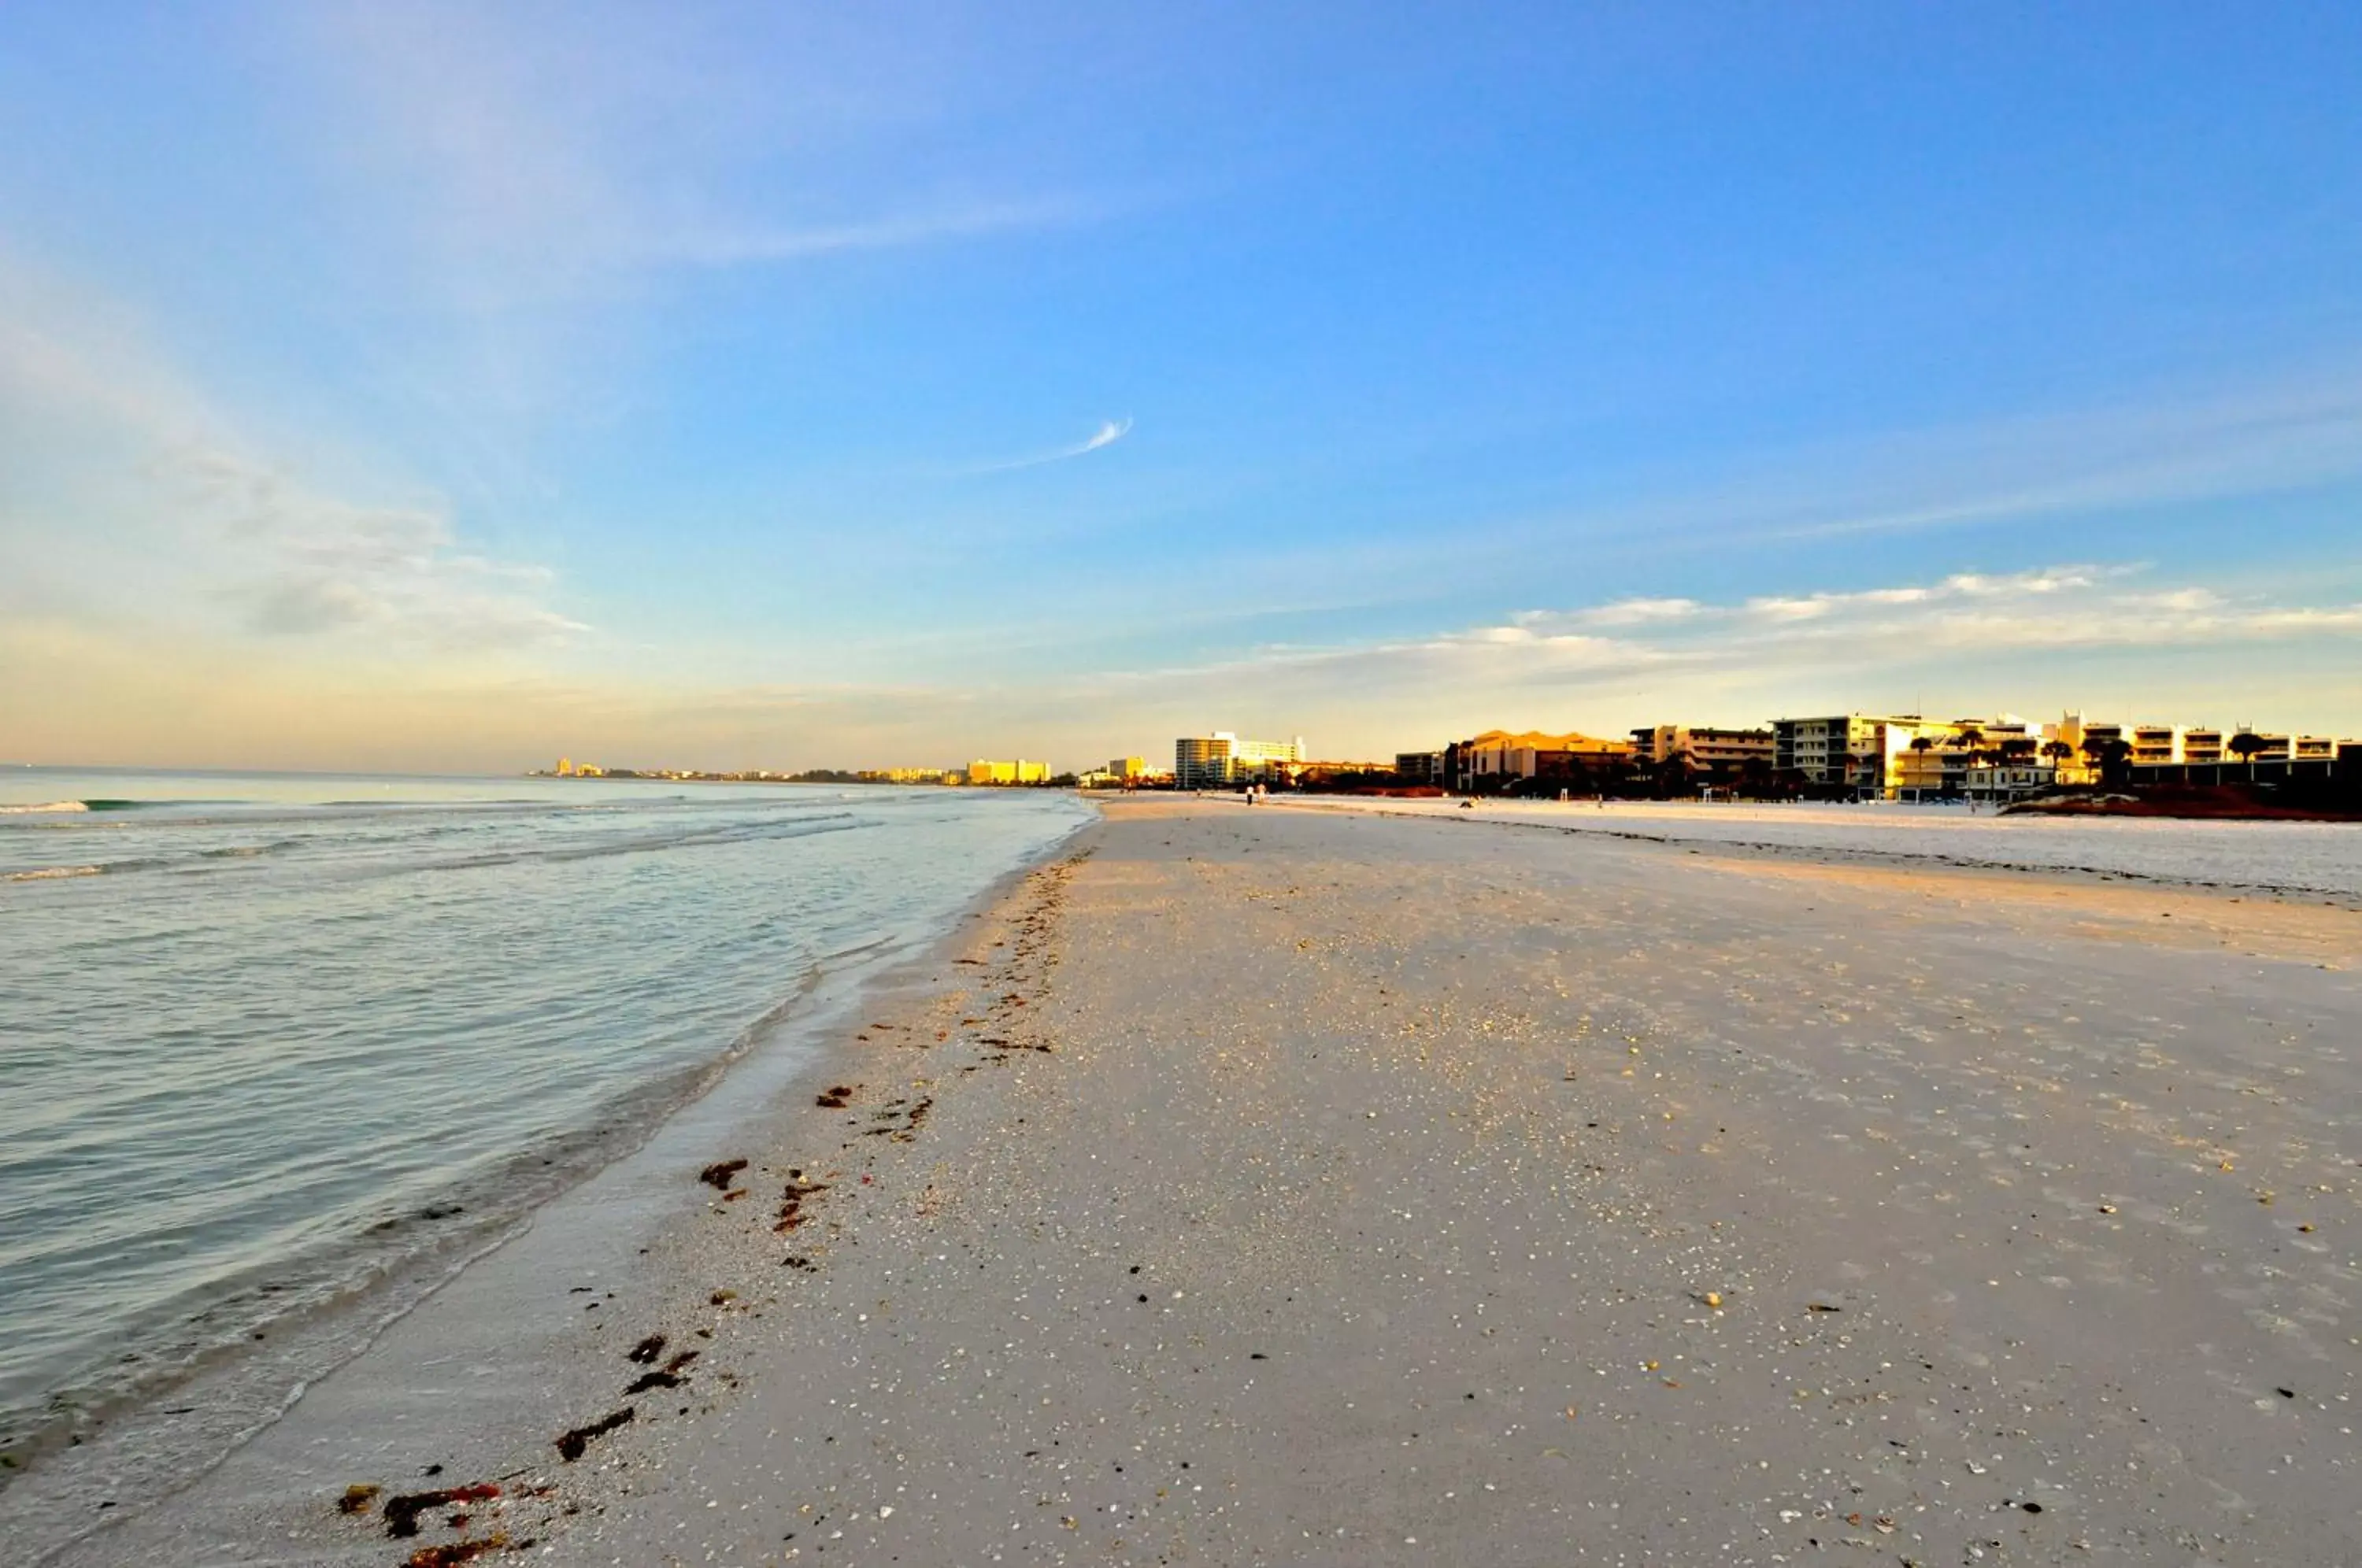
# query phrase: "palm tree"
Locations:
[[2107, 755], [1923, 744], [1674, 773]]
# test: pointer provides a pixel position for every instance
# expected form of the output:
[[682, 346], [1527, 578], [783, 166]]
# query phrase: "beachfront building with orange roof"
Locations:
[[1523, 761]]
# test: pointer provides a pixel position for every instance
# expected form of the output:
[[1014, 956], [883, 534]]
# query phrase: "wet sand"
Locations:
[[1264, 1186]]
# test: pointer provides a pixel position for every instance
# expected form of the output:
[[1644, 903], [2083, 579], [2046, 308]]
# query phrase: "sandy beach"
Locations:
[[1272, 1185]]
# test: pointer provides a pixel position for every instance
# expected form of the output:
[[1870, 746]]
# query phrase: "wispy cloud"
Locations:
[[1108, 433], [1961, 640], [184, 516], [725, 246], [2265, 434], [2047, 608], [535, 162], [305, 564], [1620, 612]]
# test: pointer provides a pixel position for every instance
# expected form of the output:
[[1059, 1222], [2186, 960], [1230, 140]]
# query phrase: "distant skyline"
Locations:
[[437, 387]]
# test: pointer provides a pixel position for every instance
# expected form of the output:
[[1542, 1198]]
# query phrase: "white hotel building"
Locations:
[[1221, 759]]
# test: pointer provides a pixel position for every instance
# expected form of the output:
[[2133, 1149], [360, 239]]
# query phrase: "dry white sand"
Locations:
[[1293, 1186]]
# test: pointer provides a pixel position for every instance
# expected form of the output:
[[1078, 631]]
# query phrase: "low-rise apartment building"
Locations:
[[1708, 750], [1901, 757], [1824, 751], [1420, 766]]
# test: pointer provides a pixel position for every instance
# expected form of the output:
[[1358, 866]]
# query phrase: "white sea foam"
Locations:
[[54, 873], [44, 808]]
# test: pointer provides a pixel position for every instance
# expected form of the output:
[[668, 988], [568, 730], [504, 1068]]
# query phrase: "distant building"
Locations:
[[1124, 768], [1221, 759], [566, 767], [1017, 772]]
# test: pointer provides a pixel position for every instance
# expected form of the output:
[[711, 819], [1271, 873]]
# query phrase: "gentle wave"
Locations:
[[188, 815], [237, 856], [79, 808]]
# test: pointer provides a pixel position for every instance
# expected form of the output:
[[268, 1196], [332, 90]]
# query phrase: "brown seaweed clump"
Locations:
[[572, 1445], [402, 1513]]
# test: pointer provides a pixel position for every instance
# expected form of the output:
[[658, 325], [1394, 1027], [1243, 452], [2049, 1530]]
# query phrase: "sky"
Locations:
[[449, 388]]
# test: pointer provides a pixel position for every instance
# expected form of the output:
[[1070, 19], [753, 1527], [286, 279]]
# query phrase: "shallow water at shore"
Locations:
[[269, 1038]]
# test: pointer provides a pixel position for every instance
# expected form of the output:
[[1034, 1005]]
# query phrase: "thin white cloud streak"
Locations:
[[718, 247], [1974, 479], [1108, 433], [2296, 430], [527, 160], [2240, 441]]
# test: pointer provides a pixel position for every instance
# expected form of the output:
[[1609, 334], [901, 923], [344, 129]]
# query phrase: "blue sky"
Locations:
[[448, 387]]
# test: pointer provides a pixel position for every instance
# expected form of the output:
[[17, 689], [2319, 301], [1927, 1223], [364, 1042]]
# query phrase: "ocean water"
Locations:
[[267, 1041]]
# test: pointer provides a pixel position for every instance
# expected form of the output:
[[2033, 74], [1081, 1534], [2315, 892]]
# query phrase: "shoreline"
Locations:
[[141, 1454], [1300, 1187]]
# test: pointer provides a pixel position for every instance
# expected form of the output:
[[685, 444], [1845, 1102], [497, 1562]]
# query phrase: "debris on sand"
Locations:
[[357, 1499], [666, 1376], [791, 1201], [572, 1445], [450, 1554], [646, 1352], [402, 1513], [717, 1174]]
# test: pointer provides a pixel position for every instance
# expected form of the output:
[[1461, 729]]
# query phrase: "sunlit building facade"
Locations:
[[1221, 759]]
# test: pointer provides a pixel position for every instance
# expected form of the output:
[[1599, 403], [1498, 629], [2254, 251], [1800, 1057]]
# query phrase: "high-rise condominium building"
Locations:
[[1215, 761]]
